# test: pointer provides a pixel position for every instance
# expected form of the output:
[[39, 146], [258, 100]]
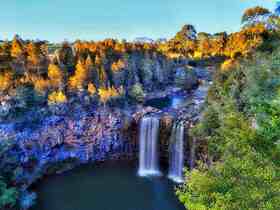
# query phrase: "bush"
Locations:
[[8, 196], [137, 93]]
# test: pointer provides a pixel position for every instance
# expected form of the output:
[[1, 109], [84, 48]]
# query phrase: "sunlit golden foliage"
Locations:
[[104, 95], [41, 85], [204, 47], [228, 64], [6, 81], [119, 47], [198, 55], [207, 45], [56, 76], [102, 75], [90, 66], [5, 49], [80, 79], [245, 41], [118, 65], [98, 60], [33, 52], [91, 89], [173, 55], [56, 97], [107, 93], [17, 47]]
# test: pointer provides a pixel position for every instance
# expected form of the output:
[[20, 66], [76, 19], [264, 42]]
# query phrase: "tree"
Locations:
[[80, 79], [33, 52], [251, 15], [239, 135], [17, 49], [245, 41], [204, 45], [137, 93], [102, 76], [6, 81], [6, 49], [242, 179], [118, 65], [57, 79], [65, 55], [187, 32], [42, 85], [219, 41]]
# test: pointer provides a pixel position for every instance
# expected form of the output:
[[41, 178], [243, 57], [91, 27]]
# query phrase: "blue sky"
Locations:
[[56, 20]]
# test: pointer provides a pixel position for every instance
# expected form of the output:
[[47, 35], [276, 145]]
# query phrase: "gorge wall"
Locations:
[[62, 141]]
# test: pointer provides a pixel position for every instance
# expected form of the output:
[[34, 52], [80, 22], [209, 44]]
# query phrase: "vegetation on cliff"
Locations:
[[239, 137], [8, 193]]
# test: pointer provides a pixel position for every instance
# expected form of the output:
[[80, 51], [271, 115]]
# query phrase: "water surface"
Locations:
[[174, 101], [106, 186]]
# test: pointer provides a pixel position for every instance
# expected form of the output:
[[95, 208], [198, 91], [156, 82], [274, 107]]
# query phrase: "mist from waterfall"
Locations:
[[148, 157], [176, 153]]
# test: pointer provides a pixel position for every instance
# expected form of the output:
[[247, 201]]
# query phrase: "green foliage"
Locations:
[[8, 196], [137, 92], [187, 32], [242, 177], [241, 130]]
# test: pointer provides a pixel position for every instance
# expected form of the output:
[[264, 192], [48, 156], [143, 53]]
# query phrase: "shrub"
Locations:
[[137, 93], [8, 196]]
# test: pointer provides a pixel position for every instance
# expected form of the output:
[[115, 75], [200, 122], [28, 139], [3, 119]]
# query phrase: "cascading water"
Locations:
[[176, 153], [148, 157]]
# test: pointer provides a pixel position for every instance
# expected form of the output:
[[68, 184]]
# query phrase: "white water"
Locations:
[[148, 157], [176, 153]]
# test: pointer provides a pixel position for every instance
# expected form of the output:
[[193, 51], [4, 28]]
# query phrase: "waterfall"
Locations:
[[148, 157], [176, 153]]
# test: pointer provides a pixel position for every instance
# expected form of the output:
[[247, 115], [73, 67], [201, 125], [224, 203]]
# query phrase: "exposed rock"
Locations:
[[166, 123], [145, 110], [59, 142], [90, 138]]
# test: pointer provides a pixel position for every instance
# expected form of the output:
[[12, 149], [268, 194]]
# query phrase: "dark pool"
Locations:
[[174, 101], [106, 186]]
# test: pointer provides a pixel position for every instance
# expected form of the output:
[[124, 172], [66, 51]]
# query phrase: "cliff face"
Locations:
[[95, 137], [82, 137]]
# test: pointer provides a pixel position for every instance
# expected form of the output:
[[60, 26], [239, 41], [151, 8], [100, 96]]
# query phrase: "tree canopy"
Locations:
[[254, 12]]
